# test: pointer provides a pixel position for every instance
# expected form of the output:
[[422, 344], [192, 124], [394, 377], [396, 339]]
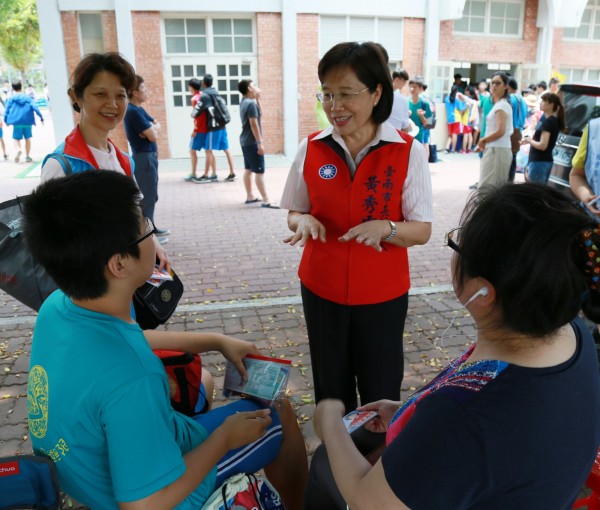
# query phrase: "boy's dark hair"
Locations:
[[512, 83], [17, 86], [136, 86], [525, 240], [402, 74], [542, 85], [195, 83], [243, 86], [367, 61], [75, 224], [554, 81], [208, 80], [458, 76], [91, 65]]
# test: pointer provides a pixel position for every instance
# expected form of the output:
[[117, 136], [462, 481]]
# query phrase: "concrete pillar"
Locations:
[[290, 76], [431, 52], [544, 46], [125, 30], [55, 64]]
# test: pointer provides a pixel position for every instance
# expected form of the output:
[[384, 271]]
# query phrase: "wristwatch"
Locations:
[[392, 233]]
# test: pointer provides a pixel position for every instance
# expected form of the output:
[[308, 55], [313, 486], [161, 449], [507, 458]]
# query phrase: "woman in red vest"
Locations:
[[98, 93], [358, 194]]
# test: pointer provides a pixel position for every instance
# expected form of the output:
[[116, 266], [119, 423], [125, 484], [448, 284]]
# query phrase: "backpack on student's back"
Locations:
[[28, 481], [432, 120], [185, 372], [217, 115]]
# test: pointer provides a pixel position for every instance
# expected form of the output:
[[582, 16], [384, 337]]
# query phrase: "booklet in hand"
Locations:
[[356, 419], [267, 378]]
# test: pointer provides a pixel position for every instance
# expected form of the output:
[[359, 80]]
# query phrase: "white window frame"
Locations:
[[395, 53], [83, 50], [594, 7], [487, 21], [210, 52], [568, 72]]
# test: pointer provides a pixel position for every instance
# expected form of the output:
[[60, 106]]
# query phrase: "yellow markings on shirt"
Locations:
[[37, 401]]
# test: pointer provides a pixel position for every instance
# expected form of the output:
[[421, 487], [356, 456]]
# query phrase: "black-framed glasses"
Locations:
[[452, 239], [150, 230], [340, 97]]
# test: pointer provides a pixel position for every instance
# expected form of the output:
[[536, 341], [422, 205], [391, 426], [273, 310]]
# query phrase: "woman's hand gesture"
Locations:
[[307, 227], [369, 233]]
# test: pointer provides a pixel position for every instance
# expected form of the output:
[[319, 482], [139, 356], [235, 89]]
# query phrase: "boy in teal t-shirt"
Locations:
[[98, 398], [419, 109]]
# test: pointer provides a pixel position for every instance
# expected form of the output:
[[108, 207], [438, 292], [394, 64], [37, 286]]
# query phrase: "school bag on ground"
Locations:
[[245, 492], [185, 372], [28, 481], [217, 115]]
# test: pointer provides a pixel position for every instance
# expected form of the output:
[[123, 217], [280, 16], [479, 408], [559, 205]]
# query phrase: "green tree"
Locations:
[[19, 34]]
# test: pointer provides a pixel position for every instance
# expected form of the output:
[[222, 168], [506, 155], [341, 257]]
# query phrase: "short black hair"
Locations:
[[136, 85], [75, 224], [402, 74], [367, 61], [195, 83], [554, 81], [542, 85], [512, 83], [243, 86], [458, 76], [208, 80], [524, 239], [17, 86]]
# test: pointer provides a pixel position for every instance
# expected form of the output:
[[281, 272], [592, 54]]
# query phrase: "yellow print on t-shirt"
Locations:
[[37, 401]]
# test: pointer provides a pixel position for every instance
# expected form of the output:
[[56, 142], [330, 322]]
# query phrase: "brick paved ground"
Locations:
[[241, 279]]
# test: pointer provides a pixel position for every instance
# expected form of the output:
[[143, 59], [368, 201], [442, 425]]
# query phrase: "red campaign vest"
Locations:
[[75, 146], [351, 273]]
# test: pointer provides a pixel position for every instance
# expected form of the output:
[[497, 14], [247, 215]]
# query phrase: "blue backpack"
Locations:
[[28, 481]]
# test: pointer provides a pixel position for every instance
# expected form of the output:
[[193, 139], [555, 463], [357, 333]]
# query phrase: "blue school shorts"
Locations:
[[20, 132], [248, 458], [198, 141], [216, 140]]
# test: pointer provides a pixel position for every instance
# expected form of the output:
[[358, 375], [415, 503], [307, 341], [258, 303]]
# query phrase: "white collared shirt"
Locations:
[[417, 197]]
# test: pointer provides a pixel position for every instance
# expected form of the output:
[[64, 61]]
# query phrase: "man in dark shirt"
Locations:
[[252, 144], [142, 132]]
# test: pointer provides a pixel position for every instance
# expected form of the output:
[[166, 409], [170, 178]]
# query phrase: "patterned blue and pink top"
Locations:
[[488, 435]]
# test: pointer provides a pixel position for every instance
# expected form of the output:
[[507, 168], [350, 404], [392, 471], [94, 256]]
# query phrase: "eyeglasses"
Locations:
[[497, 83], [453, 239], [340, 97], [150, 229]]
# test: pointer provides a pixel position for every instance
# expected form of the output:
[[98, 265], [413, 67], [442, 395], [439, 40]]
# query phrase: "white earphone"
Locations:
[[481, 292]]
